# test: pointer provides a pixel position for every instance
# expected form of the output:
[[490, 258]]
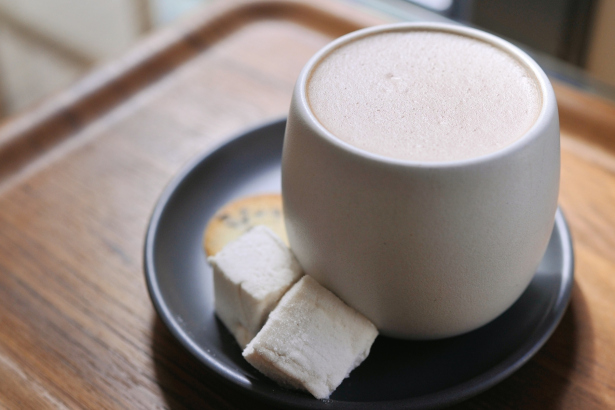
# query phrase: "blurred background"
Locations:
[[45, 45]]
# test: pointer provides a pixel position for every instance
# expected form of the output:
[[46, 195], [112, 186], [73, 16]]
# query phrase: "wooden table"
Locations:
[[81, 174]]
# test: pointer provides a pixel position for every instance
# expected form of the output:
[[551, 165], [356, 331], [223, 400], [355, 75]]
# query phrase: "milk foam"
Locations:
[[424, 95]]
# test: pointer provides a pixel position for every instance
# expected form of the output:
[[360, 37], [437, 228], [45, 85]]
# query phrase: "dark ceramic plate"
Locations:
[[397, 374]]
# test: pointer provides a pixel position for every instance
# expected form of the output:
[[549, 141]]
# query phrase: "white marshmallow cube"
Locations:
[[311, 341], [251, 274]]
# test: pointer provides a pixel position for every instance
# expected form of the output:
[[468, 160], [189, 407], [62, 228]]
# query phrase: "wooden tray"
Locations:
[[81, 173]]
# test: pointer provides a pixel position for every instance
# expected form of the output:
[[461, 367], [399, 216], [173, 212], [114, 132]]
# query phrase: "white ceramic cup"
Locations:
[[424, 250]]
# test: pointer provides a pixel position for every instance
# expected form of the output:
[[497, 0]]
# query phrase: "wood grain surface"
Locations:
[[81, 174]]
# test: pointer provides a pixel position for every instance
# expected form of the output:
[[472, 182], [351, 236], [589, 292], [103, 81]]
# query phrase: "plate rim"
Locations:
[[447, 396]]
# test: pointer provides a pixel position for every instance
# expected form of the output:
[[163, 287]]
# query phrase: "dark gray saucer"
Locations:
[[397, 374]]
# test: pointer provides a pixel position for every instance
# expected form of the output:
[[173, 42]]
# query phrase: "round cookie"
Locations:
[[236, 217]]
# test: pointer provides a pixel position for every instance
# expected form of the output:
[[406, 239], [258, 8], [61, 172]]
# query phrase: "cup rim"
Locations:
[[548, 108]]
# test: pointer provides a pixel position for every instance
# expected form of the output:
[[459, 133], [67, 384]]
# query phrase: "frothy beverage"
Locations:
[[424, 95], [422, 242]]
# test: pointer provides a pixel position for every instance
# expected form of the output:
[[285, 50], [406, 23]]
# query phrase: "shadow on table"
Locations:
[[543, 381], [185, 382]]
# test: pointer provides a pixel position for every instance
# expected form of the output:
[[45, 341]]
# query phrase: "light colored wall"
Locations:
[[30, 70], [45, 45], [601, 56], [95, 28], [165, 11]]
